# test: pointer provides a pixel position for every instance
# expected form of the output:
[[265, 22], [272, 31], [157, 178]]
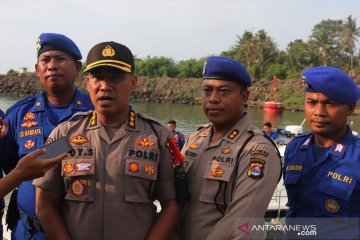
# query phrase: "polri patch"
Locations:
[[256, 168], [4, 127]]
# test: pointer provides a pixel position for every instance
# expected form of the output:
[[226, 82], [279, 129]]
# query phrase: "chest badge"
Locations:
[[217, 172], [68, 168], [29, 117], [332, 205], [78, 188], [194, 146], [149, 169], [134, 167], [144, 143], [29, 144], [226, 150], [84, 167], [79, 139]]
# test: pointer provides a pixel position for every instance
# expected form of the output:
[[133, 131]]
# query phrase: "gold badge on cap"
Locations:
[[108, 51]]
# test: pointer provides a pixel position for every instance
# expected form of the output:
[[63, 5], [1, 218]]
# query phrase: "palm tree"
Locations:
[[348, 37]]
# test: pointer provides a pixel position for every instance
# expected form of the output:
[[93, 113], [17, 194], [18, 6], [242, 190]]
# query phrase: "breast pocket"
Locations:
[[79, 180], [140, 177], [291, 180], [336, 189], [216, 184]]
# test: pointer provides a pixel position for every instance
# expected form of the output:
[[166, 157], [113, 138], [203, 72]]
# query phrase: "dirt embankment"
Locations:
[[171, 90]]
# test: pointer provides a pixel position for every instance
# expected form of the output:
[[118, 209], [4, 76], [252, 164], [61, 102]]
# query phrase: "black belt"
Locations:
[[32, 222]]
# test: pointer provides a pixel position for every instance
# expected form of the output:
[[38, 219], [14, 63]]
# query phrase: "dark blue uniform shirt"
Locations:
[[327, 186], [30, 123]]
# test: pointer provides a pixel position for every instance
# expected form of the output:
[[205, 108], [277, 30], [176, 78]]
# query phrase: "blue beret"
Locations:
[[55, 41], [332, 82], [224, 68]]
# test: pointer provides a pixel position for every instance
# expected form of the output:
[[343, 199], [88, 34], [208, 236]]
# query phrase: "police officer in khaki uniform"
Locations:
[[122, 161], [232, 168]]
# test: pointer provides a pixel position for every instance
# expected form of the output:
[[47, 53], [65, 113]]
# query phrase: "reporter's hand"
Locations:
[[29, 167]]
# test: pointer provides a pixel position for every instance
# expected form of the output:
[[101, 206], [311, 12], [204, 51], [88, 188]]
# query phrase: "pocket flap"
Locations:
[[338, 184], [218, 171]]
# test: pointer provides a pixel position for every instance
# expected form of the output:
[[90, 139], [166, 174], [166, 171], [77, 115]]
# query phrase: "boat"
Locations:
[[274, 105]]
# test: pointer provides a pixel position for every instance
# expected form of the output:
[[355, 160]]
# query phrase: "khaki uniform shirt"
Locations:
[[109, 185], [246, 190]]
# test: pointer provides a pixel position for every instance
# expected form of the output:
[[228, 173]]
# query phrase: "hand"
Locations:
[[29, 167]]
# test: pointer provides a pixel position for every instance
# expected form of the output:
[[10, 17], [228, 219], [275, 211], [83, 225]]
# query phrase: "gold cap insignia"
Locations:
[[108, 51]]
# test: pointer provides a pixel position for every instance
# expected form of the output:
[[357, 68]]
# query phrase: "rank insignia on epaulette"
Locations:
[[37, 104], [79, 139], [226, 150], [133, 167], [68, 168], [93, 120], [256, 168], [78, 188], [193, 145], [149, 169], [217, 172], [29, 144], [144, 143], [78, 102], [233, 134], [332, 205], [4, 127], [131, 121]]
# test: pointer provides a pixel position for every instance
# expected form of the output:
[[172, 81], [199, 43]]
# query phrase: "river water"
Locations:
[[190, 117]]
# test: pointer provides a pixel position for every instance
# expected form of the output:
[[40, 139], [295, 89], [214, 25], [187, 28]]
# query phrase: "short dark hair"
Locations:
[[172, 122], [268, 124]]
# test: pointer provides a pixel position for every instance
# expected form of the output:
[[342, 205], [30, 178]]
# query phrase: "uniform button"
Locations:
[[28, 234]]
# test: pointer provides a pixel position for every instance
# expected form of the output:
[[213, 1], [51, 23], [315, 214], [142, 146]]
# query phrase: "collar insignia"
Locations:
[[93, 121], [131, 121]]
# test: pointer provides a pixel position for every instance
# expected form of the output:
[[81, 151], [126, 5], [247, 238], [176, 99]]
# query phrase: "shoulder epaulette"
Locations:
[[148, 118], [19, 103], [204, 126], [77, 116]]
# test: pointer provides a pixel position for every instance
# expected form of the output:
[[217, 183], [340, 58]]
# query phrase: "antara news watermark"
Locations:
[[300, 229]]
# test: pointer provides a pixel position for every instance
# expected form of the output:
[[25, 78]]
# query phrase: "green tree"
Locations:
[[325, 36], [348, 37]]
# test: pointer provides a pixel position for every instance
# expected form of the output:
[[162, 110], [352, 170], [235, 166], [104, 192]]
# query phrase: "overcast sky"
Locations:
[[180, 29]]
